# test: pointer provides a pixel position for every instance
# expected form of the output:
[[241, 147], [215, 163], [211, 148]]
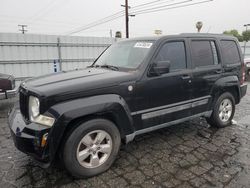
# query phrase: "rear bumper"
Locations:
[[27, 137], [243, 90], [8, 94]]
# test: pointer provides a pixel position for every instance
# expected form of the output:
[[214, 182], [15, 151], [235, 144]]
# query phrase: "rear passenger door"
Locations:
[[206, 70]]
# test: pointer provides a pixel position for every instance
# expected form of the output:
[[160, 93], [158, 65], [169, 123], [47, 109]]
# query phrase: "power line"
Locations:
[[150, 4], [51, 5], [5, 18], [175, 7], [88, 27], [45, 10], [98, 22], [111, 17], [163, 6], [33, 17], [144, 11], [156, 6], [54, 23]]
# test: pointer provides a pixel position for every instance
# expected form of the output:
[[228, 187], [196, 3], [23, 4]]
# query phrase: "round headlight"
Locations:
[[34, 106], [34, 113]]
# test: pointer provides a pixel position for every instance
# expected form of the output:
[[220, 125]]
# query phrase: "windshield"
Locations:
[[126, 54]]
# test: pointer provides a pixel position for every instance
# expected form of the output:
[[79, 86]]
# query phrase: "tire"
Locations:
[[81, 142], [216, 118]]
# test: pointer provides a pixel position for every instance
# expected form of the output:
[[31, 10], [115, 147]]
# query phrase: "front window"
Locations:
[[126, 54], [175, 53]]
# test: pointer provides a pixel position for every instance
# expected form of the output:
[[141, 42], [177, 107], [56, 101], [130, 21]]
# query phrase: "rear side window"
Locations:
[[204, 53], [230, 52], [175, 53]]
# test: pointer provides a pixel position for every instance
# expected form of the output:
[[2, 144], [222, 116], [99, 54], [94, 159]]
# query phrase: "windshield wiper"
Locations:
[[91, 66], [112, 67]]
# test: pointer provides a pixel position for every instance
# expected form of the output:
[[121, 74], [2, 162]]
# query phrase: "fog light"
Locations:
[[44, 140]]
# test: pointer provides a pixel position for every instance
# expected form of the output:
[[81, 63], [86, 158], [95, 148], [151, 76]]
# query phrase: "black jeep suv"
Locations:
[[135, 86]]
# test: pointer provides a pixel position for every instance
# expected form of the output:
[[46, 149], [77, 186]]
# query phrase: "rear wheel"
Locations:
[[223, 111], [91, 148]]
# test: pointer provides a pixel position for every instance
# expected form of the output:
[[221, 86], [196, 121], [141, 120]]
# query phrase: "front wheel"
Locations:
[[91, 148], [223, 111]]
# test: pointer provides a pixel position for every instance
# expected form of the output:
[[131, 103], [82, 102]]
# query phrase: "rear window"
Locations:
[[230, 52], [204, 53]]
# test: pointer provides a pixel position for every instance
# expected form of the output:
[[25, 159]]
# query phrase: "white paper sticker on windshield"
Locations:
[[143, 45]]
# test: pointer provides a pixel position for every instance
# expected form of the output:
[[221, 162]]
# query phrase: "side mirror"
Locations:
[[159, 68]]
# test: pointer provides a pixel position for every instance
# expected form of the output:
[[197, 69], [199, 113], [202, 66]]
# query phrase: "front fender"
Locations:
[[97, 105]]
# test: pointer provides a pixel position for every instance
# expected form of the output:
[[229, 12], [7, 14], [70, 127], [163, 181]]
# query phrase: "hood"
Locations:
[[77, 81]]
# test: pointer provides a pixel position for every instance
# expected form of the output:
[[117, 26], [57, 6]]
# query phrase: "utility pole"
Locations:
[[126, 17], [23, 30], [246, 25]]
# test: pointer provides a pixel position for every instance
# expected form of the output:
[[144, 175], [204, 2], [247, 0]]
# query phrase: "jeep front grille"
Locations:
[[24, 102]]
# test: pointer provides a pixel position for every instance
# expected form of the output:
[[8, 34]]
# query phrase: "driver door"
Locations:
[[165, 98]]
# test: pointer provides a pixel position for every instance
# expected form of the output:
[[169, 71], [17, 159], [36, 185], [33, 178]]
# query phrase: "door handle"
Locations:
[[218, 71], [185, 77]]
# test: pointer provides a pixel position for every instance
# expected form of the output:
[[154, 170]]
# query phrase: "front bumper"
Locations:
[[243, 90], [8, 94], [27, 137]]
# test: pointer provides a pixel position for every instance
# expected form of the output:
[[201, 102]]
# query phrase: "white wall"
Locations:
[[31, 55]]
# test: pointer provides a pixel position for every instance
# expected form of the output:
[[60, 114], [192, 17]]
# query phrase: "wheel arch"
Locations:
[[226, 84], [73, 113]]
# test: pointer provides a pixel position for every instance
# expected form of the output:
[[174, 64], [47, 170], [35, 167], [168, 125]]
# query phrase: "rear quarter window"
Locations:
[[230, 52]]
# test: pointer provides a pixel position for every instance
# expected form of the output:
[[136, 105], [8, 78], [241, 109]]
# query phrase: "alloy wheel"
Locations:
[[94, 149], [225, 110]]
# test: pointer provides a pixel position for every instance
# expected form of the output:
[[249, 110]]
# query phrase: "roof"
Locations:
[[186, 35]]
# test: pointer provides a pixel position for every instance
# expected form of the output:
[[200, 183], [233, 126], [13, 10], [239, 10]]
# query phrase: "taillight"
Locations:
[[243, 74]]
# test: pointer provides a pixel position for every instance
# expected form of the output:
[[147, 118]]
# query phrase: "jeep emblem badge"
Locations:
[[130, 88]]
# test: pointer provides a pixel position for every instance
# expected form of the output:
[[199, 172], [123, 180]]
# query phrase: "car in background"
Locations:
[[247, 66], [7, 86]]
